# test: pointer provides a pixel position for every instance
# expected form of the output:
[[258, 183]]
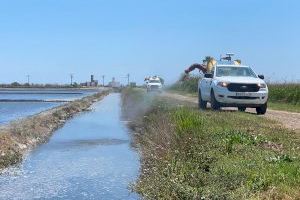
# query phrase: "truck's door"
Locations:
[[206, 85]]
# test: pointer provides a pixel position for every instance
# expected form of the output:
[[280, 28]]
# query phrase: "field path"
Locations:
[[290, 120]]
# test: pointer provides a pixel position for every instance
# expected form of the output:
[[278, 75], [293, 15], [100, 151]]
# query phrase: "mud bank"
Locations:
[[20, 136]]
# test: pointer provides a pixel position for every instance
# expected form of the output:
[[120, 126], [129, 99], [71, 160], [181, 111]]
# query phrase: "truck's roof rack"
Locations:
[[228, 57]]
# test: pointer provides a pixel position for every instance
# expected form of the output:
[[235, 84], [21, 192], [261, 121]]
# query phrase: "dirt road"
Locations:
[[289, 120]]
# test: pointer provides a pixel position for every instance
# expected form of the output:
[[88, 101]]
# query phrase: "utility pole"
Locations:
[[28, 79], [103, 76], [128, 76], [71, 76]]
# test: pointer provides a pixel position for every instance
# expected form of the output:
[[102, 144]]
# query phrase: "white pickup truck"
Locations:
[[154, 84], [231, 85]]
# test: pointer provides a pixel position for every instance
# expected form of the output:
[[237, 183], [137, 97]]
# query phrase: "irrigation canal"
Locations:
[[88, 158]]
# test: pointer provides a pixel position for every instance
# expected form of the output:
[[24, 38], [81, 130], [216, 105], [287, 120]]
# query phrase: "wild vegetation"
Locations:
[[285, 96], [187, 154], [285, 93], [186, 83], [20, 136]]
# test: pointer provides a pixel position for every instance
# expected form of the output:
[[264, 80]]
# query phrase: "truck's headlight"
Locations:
[[262, 85], [222, 84]]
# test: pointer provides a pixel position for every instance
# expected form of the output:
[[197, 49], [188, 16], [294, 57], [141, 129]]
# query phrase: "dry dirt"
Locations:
[[289, 120]]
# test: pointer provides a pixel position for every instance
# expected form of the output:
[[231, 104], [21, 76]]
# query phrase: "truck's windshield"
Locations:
[[154, 81], [235, 71]]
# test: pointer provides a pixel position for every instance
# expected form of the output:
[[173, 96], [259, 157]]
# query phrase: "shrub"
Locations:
[[186, 84], [285, 93]]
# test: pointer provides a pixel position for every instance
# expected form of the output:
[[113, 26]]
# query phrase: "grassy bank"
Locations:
[[18, 137], [283, 96], [188, 154]]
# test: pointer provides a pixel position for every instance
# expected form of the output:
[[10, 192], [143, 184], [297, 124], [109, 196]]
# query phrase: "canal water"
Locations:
[[88, 158]]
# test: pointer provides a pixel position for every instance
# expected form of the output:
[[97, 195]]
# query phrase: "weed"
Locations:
[[188, 84], [285, 93]]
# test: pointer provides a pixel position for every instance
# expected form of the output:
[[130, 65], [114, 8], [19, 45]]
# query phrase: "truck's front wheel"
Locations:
[[242, 109], [262, 109], [201, 104], [213, 102]]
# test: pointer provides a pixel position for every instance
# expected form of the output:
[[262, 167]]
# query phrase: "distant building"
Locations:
[[92, 83], [114, 83], [92, 78]]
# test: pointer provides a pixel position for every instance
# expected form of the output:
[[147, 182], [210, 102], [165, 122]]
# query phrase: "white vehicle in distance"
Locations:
[[153, 84], [232, 85]]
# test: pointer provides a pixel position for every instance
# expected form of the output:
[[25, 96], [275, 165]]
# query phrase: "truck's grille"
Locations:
[[154, 87], [240, 87], [237, 97]]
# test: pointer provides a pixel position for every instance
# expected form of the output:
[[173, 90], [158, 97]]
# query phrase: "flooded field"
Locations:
[[18, 103], [89, 158], [14, 110], [44, 94]]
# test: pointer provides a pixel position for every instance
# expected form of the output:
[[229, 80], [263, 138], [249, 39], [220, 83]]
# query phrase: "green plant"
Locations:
[[285, 93], [187, 83]]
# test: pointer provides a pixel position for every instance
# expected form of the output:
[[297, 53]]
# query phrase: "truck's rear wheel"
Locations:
[[201, 104], [242, 109], [213, 102], [262, 109]]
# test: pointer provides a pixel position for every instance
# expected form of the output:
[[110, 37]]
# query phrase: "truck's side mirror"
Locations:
[[261, 76], [208, 75]]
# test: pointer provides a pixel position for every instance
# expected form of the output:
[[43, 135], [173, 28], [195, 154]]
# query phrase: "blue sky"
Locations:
[[49, 39]]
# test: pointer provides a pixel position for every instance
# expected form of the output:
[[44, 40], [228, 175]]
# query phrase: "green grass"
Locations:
[[284, 107], [285, 93], [188, 154], [285, 96]]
